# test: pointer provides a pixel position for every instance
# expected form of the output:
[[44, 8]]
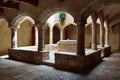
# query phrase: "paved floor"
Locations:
[[108, 69]]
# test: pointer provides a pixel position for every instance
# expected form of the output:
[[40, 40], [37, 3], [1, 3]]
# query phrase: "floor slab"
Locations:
[[108, 69]]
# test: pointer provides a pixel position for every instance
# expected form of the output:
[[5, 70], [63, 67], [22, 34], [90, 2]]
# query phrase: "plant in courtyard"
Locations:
[[62, 16]]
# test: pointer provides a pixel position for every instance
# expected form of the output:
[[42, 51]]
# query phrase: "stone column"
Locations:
[[14, 43], [106, 35], [119, 38], [61, 34], [36, 36], [101, 36], [94, 37], [51, 36], [81, 37], [40, 37]]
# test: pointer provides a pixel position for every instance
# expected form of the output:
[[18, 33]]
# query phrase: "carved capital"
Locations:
[[14, 28]]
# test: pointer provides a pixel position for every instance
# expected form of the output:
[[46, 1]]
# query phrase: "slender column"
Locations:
[[119, 38], [81, 38], [94, 38], [101, 36], [106, 35], [14, 43], [106, 38], [61, 34], [51, 36], [36, 36], [40, 38]]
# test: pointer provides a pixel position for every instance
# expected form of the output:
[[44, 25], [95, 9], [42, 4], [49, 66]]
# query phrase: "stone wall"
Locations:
[[67, 45], [5, 37], [34, 57], [107, 51], [73, 62], [25, 34]]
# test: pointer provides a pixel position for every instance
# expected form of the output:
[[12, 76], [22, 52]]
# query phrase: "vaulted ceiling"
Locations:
[[14, 4], [111, 11]]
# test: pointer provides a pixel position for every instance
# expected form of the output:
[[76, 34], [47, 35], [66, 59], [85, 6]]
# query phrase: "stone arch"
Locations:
[[70, 31], [27, 39], [101, 31], [91, 20], [114, 23], [54, 9], [5, 36], [46, 33], [46, 14], [74, 24], [3, 18], [91, 7], [21, 18], [88, 32], [47, 25], [56, 33], [57, 24], [114, 20], [54, 19]]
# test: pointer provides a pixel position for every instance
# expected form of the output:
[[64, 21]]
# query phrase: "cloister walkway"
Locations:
[[108, 69]]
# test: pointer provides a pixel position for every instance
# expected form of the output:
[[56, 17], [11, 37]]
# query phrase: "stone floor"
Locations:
[[108, 69]]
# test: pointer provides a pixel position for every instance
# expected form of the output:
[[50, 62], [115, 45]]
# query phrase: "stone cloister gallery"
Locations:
[[69, 35]]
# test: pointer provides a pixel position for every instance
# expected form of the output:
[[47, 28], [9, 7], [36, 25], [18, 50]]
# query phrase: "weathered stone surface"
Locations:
[[67, 45], [34, 57], [73, 62], [107, 51]]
